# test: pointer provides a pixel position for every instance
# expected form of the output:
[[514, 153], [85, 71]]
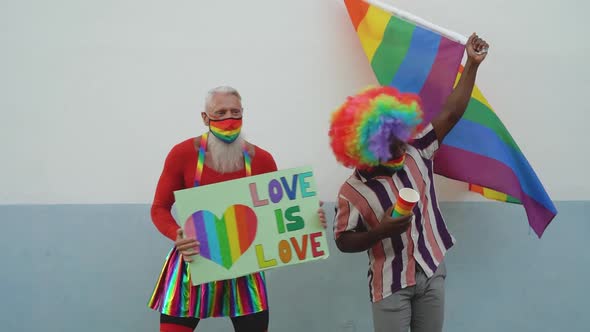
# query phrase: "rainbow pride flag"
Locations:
[[477, 107], [407, 57], [479, 150]]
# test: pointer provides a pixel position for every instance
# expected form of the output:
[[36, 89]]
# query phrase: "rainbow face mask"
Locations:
[[226, 130], [396, 164]]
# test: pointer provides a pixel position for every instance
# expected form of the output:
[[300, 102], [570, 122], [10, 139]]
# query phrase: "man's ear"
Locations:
[[205, 118]]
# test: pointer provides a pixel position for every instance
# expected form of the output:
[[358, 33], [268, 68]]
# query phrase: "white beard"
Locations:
[[226, 158]]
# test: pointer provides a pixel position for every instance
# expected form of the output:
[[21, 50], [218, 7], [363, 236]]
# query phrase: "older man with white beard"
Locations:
[[218, 155]]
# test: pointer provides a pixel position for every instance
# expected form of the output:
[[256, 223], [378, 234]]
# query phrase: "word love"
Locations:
[[278, 189], [286, 248]]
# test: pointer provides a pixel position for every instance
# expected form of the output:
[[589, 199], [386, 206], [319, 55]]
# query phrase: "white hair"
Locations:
[[226, 90]]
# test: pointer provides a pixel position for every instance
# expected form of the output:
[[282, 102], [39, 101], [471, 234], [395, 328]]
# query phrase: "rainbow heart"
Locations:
[[223, 241]]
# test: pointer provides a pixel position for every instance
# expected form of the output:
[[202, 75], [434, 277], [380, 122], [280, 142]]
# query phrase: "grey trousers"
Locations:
[[419, 307]]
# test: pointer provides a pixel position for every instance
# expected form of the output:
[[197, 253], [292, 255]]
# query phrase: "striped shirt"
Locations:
[[362, 203]]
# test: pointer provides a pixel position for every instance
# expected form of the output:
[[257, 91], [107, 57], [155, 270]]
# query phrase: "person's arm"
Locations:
[[457, 102], [352, 236], [170, 180]]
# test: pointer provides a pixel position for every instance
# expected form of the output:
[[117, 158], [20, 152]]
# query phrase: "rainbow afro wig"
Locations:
[[364, 127]]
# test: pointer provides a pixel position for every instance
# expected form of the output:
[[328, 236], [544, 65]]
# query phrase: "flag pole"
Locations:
[[418, 21]]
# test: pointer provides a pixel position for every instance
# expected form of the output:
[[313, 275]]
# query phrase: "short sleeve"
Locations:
[[426, 142], [347, 217]]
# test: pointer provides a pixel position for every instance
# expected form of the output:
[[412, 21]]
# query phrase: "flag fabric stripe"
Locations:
[[417, 62], [392, 49], [503, 178], [436, 88], [492, 194], [476, 93], [371, 30], [391, 43], [357, 10], [475, 138], [473, 167], [476, 189], [479, 108], [479, 113]]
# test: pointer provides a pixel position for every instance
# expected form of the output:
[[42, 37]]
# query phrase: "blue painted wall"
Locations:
[[92, 267]]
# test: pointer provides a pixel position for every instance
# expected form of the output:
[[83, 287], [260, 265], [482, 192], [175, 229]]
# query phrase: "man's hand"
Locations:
[[186, 247], [393, 226], [360, 241], [477, 49], [322, 215]]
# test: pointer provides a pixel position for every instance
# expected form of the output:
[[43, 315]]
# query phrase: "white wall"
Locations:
[[93, 94]]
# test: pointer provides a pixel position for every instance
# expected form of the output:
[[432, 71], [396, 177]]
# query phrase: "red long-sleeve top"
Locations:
[[179, 173]]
